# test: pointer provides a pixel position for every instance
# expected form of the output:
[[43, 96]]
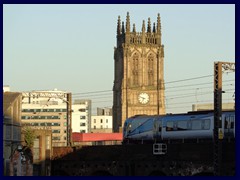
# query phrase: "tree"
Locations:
[[29, 136]]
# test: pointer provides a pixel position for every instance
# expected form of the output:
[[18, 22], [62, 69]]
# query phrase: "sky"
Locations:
[[70, 47]]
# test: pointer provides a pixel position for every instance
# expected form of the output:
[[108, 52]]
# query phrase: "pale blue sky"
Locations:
[[70, 47]]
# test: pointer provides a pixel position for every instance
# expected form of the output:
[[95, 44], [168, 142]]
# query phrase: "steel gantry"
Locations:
[[219, 68]]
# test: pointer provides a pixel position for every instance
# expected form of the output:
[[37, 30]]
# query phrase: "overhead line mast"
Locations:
[[219, 68]]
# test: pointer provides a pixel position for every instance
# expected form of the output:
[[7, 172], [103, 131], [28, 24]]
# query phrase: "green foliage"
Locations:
[[29, 136]]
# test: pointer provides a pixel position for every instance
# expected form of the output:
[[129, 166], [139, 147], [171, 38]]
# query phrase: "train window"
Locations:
[[129, 127], [182, 125], [196, 124], [206, 124], [169, 126]]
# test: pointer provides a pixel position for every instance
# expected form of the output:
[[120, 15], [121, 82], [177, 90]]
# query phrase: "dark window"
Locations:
[[82, 117], [82, 124], [56, 131], [182, 125]]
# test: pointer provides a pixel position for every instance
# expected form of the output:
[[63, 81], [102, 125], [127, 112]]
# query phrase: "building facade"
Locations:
[[47, 110], [81, 116], [101, 124], [210, 106], [12, 102], [139, 76]]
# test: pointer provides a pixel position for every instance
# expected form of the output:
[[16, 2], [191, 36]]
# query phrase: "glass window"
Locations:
[[56, 131], [82, 124], [169, 126], [82, 117], [55, 138], [206, 124], [196, 124], [182, 125]]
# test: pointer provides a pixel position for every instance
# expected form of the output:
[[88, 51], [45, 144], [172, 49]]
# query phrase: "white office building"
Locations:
[[81, 116]]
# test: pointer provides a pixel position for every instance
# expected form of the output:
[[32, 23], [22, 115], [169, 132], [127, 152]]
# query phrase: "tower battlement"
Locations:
[[146, 36]]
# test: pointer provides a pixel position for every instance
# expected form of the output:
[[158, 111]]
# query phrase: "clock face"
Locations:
[[143, 98]]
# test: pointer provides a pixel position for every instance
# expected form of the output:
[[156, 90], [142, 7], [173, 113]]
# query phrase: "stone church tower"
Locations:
[[138, 72]]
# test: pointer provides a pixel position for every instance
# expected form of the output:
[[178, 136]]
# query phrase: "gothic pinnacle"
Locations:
[[149, 26], [123, 30], [143, 26], [128, 23], [119, 26], [154, 29], [158, 24], [134, 28]]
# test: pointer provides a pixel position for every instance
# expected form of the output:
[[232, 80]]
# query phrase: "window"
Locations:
[[106, 120], [82, 110], [55, 124], [82, 124], [135, 69], [56, 138], [206, 124], [169, 126], [150, 69], [101, 121], [94, 120], [56, 131], [82, 117], [182, 125], [196, 125], [49, 124]]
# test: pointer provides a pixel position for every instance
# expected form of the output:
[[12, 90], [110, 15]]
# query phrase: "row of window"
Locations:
[[41, 117], [44, 110], [188, 125], [101, 127], [45, 124], [101, 120]]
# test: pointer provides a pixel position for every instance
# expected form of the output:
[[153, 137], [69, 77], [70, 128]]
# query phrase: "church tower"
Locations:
[[138, 72]]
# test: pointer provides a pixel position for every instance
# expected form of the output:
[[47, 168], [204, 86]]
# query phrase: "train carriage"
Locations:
[[171, 127]]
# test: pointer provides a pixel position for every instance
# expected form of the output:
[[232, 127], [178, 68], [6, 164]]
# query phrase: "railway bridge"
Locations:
[[179, 159]]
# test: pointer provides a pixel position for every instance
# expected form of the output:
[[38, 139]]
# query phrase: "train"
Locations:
[[191, 126]]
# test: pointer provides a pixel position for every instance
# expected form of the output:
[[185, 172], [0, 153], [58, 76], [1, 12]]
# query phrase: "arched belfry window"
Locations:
[[150, 69], [135, 64]]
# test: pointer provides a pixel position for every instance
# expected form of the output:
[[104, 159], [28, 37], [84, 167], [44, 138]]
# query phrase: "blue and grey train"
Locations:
[[171, 127]]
